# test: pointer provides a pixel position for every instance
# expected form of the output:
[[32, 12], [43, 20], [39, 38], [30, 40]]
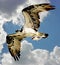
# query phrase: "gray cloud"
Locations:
[[9, 6], [33, 57]]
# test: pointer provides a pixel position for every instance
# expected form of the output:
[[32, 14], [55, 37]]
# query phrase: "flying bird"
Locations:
[[29, 29]]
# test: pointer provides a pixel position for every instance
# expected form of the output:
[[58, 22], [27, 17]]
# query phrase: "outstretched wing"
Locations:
[[31, 14], [13, 46]]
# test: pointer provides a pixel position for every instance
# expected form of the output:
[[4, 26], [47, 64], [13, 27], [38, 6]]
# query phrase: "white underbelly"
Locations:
[[29, 30]]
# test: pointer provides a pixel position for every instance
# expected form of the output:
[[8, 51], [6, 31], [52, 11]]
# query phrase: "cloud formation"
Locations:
[[11, 10], [38, 1], [9, 6], [2, 36], [33, 57]]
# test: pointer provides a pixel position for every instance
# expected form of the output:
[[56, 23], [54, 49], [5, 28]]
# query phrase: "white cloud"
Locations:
[[38, 1], [54, 58], [43, 15], [2, 36], [33, 57], [9, 8]]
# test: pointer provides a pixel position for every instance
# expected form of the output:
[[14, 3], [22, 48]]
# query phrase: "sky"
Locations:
[[42, 52]]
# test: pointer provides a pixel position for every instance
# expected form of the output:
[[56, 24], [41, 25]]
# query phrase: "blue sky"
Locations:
[[50, 25]]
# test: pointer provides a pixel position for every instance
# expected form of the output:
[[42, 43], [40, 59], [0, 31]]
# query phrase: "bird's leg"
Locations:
[[43, 35], [39, 35]]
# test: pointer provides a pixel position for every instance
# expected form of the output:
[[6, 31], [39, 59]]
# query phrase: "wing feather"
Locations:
[[14, 47], [31, 14]]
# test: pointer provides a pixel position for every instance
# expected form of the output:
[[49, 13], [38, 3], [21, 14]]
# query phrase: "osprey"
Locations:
[[30, 28]]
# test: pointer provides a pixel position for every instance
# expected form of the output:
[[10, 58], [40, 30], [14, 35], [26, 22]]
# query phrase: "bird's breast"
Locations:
[[29, 30]]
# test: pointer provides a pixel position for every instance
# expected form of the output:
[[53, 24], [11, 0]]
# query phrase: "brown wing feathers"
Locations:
[[33, 12], [14, 47]]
